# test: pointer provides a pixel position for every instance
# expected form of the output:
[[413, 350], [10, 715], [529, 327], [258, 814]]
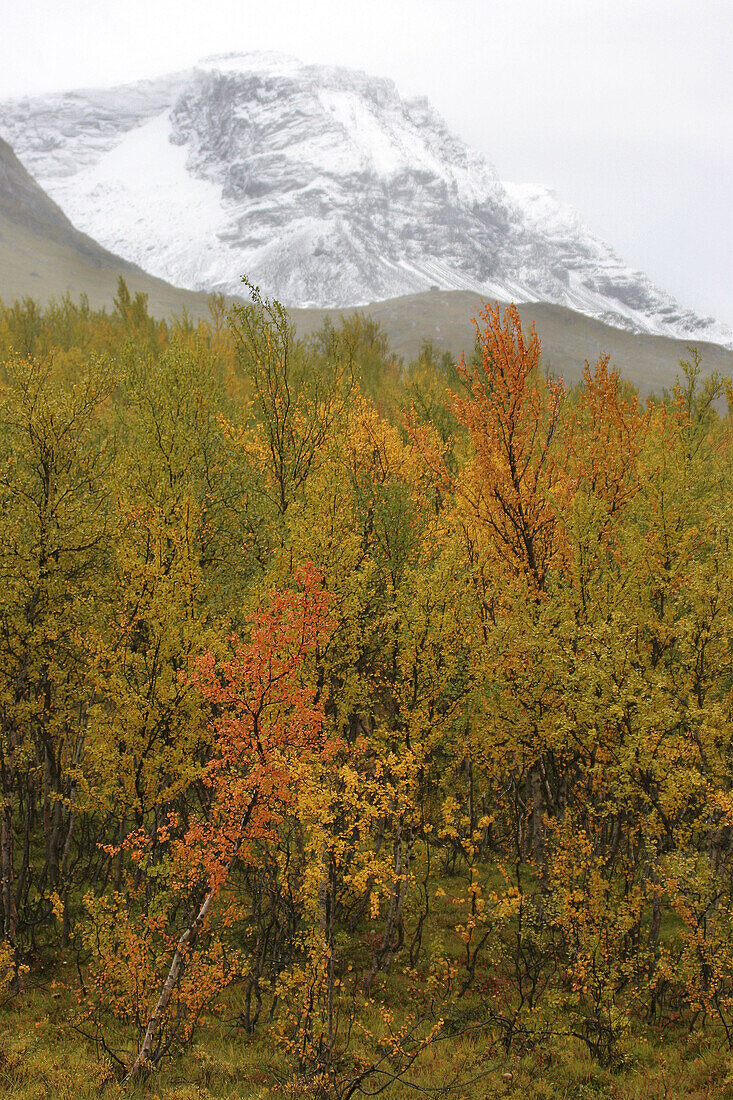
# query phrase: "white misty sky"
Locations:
[[625, 107]]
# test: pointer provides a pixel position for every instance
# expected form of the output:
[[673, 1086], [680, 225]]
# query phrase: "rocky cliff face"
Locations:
[[324, 186]]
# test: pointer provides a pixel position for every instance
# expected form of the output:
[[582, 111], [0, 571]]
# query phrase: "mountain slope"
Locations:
[[25, 203], [43, 256], [324, 186], [568, 338]]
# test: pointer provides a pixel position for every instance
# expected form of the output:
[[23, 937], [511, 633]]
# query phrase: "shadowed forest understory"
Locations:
[[365, 727]]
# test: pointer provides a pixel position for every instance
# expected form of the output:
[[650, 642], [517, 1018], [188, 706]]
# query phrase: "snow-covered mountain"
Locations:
[[321, 184]]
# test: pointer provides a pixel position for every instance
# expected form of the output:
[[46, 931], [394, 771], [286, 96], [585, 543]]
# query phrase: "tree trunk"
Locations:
[[187, 939], [536, 799]]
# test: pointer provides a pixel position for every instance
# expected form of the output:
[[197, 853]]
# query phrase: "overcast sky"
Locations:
[[625, 107]]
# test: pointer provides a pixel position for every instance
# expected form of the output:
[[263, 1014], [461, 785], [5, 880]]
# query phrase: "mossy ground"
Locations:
[[45, 1054], [43, 1057]]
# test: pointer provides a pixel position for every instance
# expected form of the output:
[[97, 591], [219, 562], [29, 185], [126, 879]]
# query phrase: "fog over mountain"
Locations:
[[321, 184]]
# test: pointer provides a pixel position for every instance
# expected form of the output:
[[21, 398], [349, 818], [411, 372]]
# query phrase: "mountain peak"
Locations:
[[255, 61], [324, 186], [275, 64]]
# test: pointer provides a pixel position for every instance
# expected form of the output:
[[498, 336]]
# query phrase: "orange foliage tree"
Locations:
[[267, 720], [511, 418]]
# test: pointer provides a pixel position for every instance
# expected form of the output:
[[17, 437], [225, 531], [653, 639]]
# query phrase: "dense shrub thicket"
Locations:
[[316, 669]]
